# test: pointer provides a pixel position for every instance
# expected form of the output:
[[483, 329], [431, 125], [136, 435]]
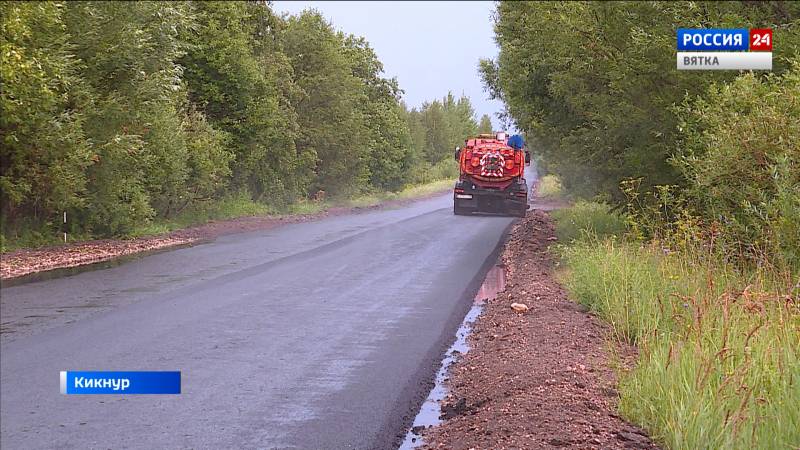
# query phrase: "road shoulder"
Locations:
[[542, 378]]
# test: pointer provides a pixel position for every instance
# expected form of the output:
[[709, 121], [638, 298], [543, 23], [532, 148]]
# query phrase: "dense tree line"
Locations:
[[438, 126], [120, 112], [600, 95]]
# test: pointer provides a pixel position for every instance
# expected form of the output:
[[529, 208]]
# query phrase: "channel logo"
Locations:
[[724, 49]]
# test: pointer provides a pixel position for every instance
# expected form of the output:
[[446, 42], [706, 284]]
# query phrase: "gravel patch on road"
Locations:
[[535, 378]]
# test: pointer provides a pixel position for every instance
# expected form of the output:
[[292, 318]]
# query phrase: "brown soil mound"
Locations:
[[535, 378]]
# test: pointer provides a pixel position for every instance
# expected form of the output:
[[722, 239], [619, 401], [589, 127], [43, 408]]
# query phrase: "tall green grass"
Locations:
[[229, 207], [367, 200], [428, 173], [33, 235], [718, 362], [586, 220], [241, 205]]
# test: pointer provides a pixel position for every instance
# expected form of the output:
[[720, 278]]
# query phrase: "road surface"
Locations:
[[323, 334]]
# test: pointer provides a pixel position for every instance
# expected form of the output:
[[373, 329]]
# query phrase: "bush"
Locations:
[[443, 170], [741, 157], [587, 219], [239, 204], [44, 151]]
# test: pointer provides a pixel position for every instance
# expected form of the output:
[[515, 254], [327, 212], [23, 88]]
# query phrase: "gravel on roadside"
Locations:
[[541, 378]]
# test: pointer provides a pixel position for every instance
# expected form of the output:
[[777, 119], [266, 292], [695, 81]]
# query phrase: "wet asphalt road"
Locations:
[[316, 335]]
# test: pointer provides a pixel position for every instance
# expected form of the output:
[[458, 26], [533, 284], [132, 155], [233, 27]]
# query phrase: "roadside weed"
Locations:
[[719, 344], [718, 349], [585, 220]]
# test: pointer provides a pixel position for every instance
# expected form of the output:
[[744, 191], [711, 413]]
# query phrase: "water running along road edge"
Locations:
[[426, 379], [347, 359]]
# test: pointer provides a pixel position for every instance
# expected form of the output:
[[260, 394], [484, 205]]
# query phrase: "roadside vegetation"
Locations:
[[135, 117], [719, 346], [685, 233], [587, 219], [549, 187], [237, 205]]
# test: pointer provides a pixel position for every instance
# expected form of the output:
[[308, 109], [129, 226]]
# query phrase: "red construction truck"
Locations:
[[492, 177]]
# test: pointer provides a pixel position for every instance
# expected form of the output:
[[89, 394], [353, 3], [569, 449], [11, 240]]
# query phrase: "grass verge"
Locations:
[[718, 362], [242, 206], [587, 220], [373, 199], [229, 207]]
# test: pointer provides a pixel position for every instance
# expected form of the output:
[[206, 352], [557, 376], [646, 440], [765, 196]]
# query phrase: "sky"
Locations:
[[430, 47]]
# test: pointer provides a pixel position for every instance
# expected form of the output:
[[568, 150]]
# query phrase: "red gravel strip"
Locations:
[[537, 379], [24, 262]]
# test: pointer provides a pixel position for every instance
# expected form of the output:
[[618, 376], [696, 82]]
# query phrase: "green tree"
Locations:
[[417, 133], [333, 123], [437, 133], [390, 154], [740, 155], [599, 96], [485, 126], [152, 154], [462, 118], [237, 72], [439, 126], [43, 148]]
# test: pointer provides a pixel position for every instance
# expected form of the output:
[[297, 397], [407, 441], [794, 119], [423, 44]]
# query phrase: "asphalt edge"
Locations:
[[420, 384]]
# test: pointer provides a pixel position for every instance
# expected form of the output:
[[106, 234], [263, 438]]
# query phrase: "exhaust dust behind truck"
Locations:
[[492, 176]]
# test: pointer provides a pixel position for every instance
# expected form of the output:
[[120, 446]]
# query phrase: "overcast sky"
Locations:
[[431, 47]]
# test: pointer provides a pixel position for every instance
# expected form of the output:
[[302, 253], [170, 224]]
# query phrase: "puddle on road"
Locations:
[[431, 409], [493, 284]]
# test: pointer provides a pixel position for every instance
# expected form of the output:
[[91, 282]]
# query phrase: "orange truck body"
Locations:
[[492, 177]]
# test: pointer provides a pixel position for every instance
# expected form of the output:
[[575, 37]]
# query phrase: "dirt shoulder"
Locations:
[[21, 263], [537, 379]]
